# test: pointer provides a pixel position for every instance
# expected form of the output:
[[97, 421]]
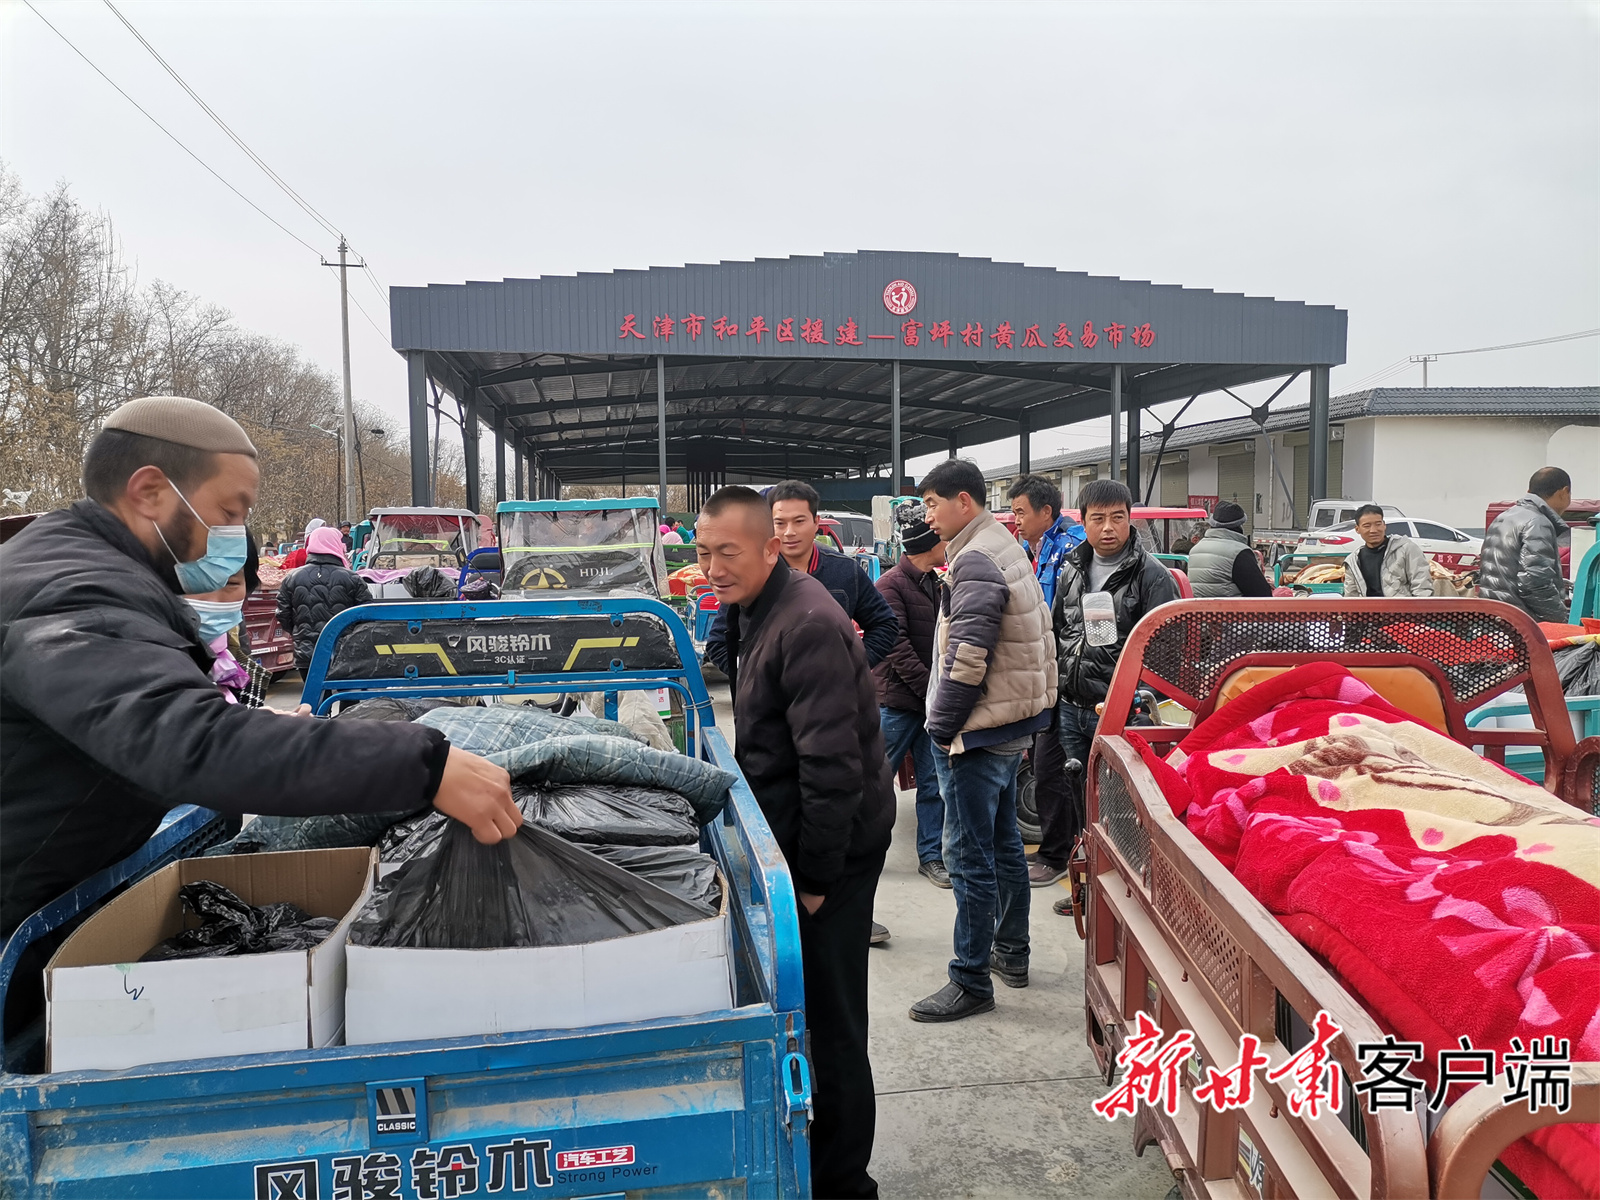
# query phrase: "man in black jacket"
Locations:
[[912, 590], [806, 723], [794, 521], [1110, 561], [108, 716]]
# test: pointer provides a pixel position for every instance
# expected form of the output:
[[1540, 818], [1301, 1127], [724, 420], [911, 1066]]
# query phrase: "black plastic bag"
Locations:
[[230, 926], [534, 889], [389, 708], [610, 814], [1579, 669], [682, 870], [429, 583]]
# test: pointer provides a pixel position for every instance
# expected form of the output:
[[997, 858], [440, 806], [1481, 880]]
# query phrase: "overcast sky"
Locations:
[[1433, 169]]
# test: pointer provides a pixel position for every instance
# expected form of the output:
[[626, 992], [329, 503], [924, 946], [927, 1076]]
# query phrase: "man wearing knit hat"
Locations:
[[912, 591], [108, 715], [1222, 564]]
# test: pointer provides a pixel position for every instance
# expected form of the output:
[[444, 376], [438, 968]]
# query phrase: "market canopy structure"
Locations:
[[824, 366]]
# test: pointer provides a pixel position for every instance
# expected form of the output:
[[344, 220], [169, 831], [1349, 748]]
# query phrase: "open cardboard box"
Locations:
[[397, 995], [107, 1010]]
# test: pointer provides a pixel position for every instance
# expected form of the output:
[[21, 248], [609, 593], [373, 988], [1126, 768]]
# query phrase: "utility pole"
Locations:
[[349, 408], [1424, 359]]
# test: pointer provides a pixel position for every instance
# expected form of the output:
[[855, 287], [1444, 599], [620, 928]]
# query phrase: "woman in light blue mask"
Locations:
[[238, 677]]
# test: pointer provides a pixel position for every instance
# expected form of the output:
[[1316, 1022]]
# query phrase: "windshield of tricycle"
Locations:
[[593, 550], [401, 541]]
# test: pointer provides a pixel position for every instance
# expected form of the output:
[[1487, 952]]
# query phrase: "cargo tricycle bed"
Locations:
[[716, 1103], [1173, 937]]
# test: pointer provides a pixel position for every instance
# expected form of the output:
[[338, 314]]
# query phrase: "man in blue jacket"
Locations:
[[1048, 535]]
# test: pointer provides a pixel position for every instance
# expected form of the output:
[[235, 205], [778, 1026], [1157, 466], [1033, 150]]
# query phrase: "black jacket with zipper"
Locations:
[[309, 596], [1138, 584], [108, 717], [805, 713]]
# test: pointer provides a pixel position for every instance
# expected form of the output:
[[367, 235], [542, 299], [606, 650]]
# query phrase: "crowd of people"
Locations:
[[978, 649], [127, 690]]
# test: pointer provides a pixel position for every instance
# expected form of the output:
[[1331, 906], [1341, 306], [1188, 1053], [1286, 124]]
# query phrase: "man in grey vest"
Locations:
[[1221, 563]]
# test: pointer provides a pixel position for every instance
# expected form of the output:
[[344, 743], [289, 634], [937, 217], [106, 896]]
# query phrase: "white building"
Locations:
[[1440, 453]]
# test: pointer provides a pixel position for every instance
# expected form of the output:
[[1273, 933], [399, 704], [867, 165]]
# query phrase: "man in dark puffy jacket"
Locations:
[[1111, 562], [794, 520], [806, 717], [1520, 562], [309, 597], [912, 591], [108, 715]]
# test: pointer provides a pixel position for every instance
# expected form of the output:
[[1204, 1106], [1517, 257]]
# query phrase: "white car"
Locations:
[[1445, 544]]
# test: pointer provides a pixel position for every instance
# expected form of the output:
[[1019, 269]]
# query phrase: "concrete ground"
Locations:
[[995, 1105]]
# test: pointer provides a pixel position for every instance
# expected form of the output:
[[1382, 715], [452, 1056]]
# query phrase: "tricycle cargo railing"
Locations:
[[711, 1104], [1172, 932]]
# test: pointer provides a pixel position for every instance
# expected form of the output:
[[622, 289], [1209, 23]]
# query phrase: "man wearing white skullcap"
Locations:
[[108, 714]]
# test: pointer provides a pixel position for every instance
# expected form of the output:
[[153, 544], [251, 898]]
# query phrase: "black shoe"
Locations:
[[933, 871], [880, 935], [1062, 907], [1009, 975], [951, 1003]]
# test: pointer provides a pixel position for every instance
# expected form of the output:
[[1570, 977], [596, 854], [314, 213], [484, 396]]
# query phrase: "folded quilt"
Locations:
[[1449, 894]]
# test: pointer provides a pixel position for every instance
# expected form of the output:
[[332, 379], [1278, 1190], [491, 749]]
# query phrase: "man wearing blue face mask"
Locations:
[[108, 712]]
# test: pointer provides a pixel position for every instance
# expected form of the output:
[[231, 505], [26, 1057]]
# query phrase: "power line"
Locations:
[[1564, 337], [211, 170], [238, 141], [278, 180]]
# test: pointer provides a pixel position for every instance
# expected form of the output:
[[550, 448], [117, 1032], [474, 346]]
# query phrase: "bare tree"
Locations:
[[78, 336]]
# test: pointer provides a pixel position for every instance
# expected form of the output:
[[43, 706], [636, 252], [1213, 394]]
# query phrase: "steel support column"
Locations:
[[1024, 444], [661, 430], [1318, 450], [417, 394], [469, 446], [896, 470], [953, 443], [1116, 422], [516, 464], [1135, 471], [499, 458]]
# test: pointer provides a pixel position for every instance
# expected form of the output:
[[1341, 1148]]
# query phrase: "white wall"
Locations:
[[1576, 450], [1202, 471], [1358, 444], [1452, 468]]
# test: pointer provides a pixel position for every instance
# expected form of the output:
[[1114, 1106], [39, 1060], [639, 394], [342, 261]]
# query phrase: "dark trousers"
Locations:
[[833, 948], [1052, 795], [983, 853], [1075, 729]]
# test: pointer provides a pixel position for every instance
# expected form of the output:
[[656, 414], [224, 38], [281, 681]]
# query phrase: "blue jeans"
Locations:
[[904, 732], [983, 853]]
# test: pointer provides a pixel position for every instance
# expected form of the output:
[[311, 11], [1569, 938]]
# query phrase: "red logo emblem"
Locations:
[[578, 1160], [900, 297]]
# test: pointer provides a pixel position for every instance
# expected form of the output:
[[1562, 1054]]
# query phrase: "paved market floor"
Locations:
[[996, 1105]]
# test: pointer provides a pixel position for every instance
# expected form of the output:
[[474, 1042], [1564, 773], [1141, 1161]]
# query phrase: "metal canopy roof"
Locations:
[[785, 367]]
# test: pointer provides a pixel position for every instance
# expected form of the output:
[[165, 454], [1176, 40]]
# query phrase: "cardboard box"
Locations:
[[106, 1010], [397, 995]]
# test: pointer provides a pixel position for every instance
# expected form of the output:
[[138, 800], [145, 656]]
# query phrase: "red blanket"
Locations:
[[1449, 894]]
